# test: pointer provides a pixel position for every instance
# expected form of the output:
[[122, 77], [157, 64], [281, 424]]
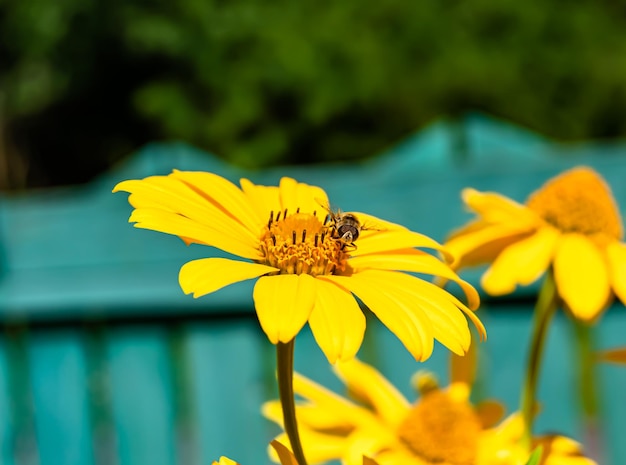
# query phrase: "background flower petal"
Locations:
[[616, 256], [283, 304], [370, 385], [480, 242], [402, 317], [337, 322], [207, 275], [581, 276], [318, 447], [521, 263], [496, 208], [285, 456]]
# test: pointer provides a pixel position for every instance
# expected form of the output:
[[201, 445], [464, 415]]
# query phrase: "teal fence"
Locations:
[[104, 361]]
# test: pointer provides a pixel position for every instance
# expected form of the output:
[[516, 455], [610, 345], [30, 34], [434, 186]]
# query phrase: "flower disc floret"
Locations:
[[578, 201], [301, 243], [442, 429]]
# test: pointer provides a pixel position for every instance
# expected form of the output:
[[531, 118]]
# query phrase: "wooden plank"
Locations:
[[6, 425], [21, 446], [231, 375], [141, 391], [60, 389]]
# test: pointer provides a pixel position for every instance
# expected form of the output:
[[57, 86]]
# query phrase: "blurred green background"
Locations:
[[85, 83]]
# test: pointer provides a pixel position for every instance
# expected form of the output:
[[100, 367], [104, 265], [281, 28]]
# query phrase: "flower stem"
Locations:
[[588, 384], [284, 364], [546, 306]]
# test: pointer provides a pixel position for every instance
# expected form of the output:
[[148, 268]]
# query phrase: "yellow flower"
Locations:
[[306, 271], [571, 225], [225, 461], [441, 428]]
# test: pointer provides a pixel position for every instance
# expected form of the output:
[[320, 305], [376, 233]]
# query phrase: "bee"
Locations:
[[346, 225]]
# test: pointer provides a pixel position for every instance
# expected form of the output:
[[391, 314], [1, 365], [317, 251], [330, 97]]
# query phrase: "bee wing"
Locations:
[[372, 223], [324, 203]]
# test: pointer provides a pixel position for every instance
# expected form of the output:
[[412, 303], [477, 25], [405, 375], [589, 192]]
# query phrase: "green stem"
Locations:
[[284, 364], [588, 384], [544, 310]]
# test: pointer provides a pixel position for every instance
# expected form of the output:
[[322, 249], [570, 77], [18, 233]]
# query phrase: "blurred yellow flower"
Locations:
[[571, 225], [225, 461], [441, 428], [307, 272]]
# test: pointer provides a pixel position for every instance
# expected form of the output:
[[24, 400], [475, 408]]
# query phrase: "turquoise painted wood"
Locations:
[[60, 397], [104, 361]]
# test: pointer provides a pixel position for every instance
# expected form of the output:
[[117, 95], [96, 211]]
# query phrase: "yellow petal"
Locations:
[[283, 304], [337, 322], [616, 256], [172, 223], [496, 208], [172, 195], [372, 242], [318, 447], [369, 384], [347, 415], [415, 261], [373, 223], [581, 276], [285, 456], [225, 461], [264, 199], [361, 443], [444, 311], [521, 263], [224, 194], [481, 243], [297, 195], [399, 314], [210, 274], [369, 461]]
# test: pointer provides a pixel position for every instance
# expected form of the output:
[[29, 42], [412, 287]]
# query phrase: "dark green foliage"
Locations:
[[266, 82]]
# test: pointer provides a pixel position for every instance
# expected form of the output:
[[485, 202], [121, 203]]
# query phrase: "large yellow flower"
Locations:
[[571, 225], [441, 428], [307, 270]]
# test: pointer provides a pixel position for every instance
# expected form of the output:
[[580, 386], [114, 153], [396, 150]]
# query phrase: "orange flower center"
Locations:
[[442, 429], [301, 243], [579, 201]]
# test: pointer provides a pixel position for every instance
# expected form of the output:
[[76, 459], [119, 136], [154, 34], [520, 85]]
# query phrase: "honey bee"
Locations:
[[346, 225]]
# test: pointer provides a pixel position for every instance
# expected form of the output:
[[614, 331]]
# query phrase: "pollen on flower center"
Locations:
[[578, 201], [300, 243], [442, 429]]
